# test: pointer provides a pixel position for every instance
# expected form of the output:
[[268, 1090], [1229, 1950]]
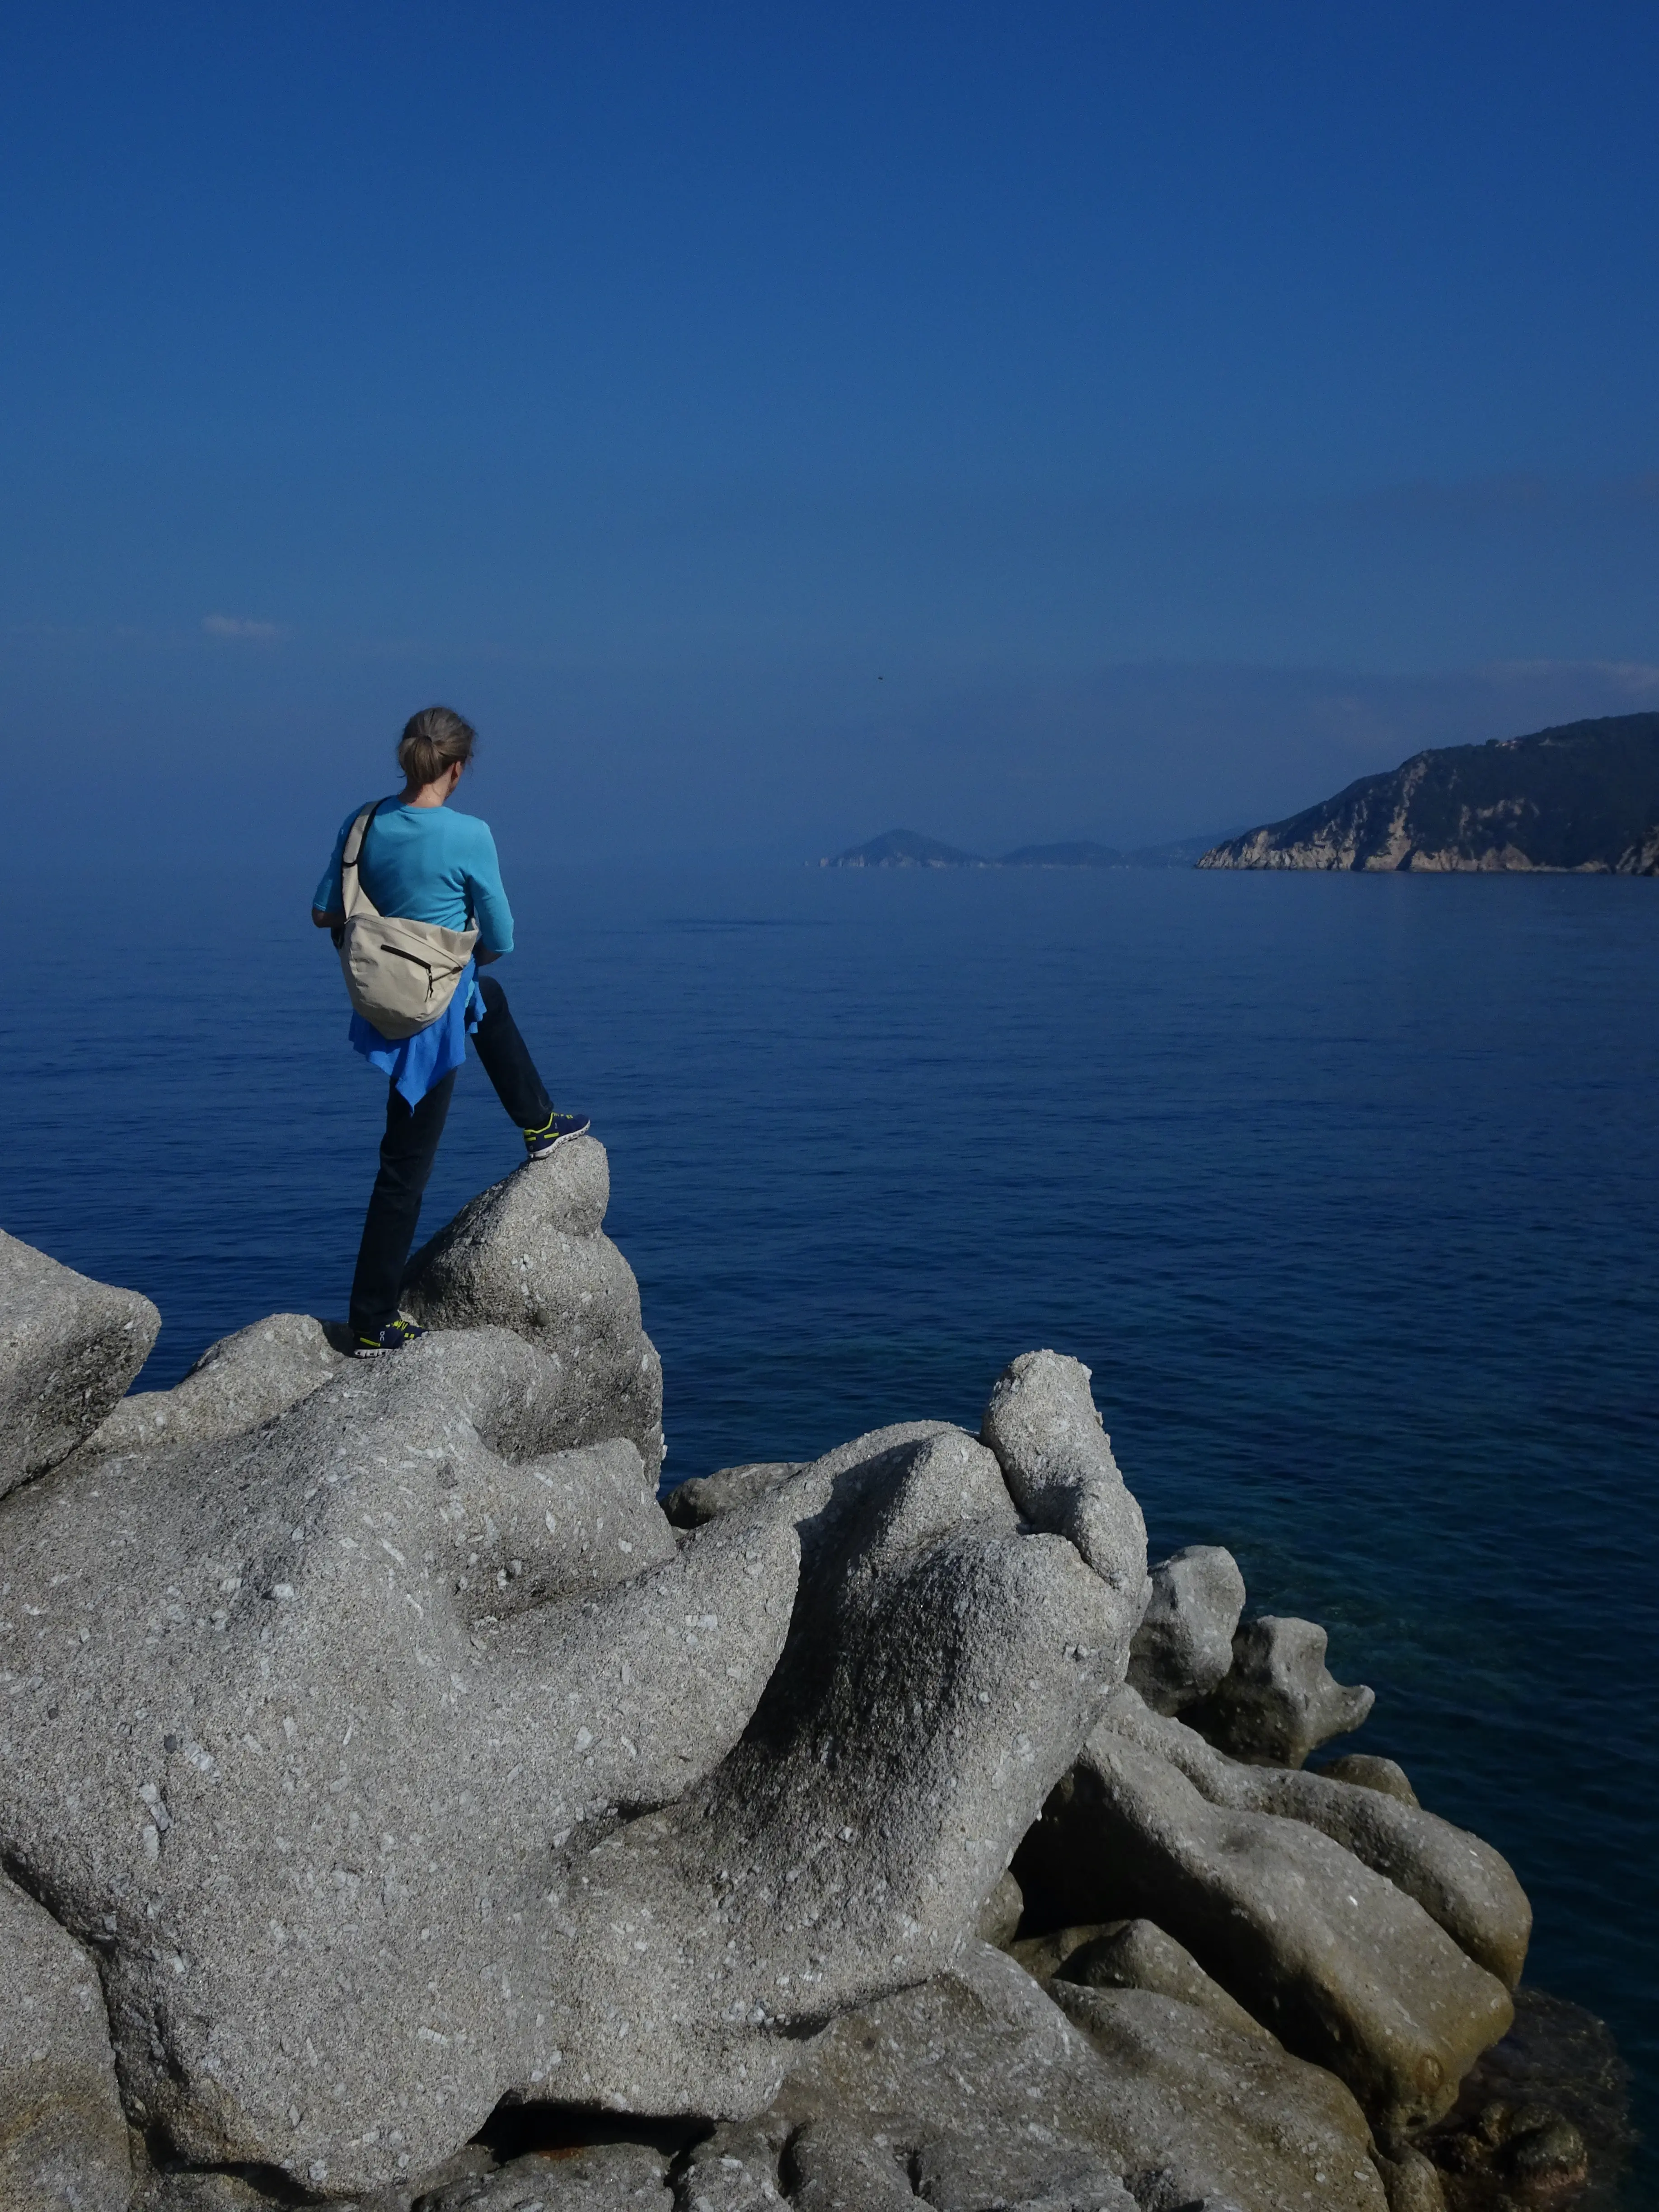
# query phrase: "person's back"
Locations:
[[419, 862]]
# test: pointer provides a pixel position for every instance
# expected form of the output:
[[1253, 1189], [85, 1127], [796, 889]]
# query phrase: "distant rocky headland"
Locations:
[[909, 849], [1582, 798], [402, 1810]]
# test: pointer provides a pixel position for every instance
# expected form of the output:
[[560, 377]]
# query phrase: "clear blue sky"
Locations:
[[771, 422]]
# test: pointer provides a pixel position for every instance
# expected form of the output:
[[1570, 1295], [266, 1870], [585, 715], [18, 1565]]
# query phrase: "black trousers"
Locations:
[[410, 1144]]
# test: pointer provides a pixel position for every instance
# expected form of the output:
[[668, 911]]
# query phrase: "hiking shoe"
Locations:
[[539, 1143], [391, 1337]]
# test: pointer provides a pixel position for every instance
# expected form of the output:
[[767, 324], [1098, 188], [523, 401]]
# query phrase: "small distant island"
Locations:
[[1582, 797], [909, 849]]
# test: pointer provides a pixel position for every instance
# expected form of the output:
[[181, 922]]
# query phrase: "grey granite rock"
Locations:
[[985, 2090], [706, 1497], [63, 2134], [205, 2190], [735, 2169], [69, 1347], [1137, 1954], [202, 2192], [1225, 2113], [1042, 1424], [529, 1255], [942, 1666], [1279, 1701], [1184, 1644], [1363, 1770], [1000, 1915], [1460, 1883], [398, 1761], [613, 2177], [237, 1383], [1411, 2182], [302, 1727], [833, 2165], [1345, 1968]]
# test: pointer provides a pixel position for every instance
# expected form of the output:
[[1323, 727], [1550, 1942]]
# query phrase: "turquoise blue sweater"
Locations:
[[426, 864]]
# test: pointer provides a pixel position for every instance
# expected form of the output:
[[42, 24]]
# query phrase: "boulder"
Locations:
[[397, 1759], [1223, 2112], [1046, 1431], [981, 2088], [1000, 1915], [1184, 1644], [706, 1497], [1137, 1954], [610, 2177], [69, 1347], [1345, 1969], [1365, 1772], [735, 2169], [1412, 2182], [529, 1255], [63, 2134], [942, 1665], [237, 1383], [298, 1725], [1279, 1701], [1459, 1881]]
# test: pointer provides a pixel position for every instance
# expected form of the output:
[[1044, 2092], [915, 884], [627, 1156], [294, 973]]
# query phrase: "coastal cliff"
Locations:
[[1582, 798]]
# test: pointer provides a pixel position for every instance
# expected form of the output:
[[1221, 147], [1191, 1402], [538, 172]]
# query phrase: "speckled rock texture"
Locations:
[[1459, 1882], [69, 1347], [942, 1665], [530, 1255], [619, 2176], [237, 1383], [1184, 1644], [706, 1497], [63, 2134], [1279, 1701], [1345, 1968], [298, 1728], [978, 2090], [397, 1760], [1044, 1425]]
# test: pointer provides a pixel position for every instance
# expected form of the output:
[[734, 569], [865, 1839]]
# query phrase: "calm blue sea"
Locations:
[[1345, 1188]]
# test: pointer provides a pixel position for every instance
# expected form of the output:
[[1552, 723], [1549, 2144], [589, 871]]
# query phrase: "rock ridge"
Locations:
[[393, 1786]]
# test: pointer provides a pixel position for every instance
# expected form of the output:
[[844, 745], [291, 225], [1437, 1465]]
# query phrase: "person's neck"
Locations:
[[422, 794]]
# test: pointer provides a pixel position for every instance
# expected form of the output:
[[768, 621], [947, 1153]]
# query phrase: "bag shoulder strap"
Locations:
[[353, 897]]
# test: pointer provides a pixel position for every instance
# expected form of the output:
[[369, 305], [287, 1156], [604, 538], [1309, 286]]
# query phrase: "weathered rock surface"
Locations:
[[298, 1726], [63, 2134], [1043, 1426], [1366, 1771], [69, 1347], [617, 2176], [1459, 1881], [237, 1383], [1346, 1969], [1184, 1644], [1279, 1700], [397, 1757], [942, 1666], [1137, 1954], [372, 1701], [981, 2089], [530, 1255], [706, 1497]]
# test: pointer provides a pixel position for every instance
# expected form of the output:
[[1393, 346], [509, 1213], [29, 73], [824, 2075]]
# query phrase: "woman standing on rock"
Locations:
[[413, 895]]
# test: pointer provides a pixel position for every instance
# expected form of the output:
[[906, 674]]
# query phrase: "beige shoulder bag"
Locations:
[[400, 975]]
